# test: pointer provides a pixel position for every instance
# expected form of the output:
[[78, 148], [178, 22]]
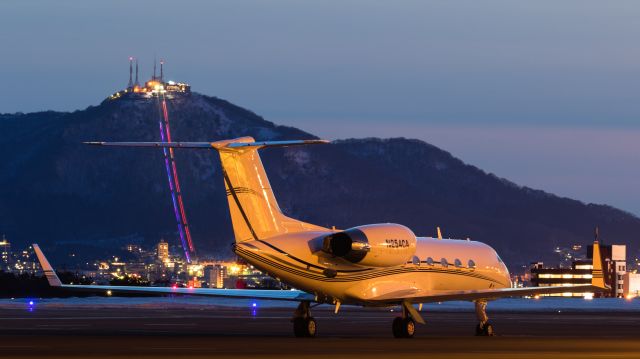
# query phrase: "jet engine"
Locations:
[[377, 245]]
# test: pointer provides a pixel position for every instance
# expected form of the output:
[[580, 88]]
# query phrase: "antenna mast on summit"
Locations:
[[137, 83], [130, 72]]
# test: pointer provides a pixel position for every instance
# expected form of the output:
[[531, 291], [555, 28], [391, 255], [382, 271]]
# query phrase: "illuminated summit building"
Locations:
[[156, 86]]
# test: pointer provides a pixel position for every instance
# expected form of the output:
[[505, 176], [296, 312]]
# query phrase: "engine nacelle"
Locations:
[[377, 245]]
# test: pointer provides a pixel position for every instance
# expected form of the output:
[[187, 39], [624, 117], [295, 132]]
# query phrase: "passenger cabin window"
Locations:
[[471, 263], [430, 261], [444, 262], [458, 263], [415, 260]]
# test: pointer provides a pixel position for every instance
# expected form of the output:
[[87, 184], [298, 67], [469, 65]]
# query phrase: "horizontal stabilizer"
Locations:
[[211, 145], [153, 144]]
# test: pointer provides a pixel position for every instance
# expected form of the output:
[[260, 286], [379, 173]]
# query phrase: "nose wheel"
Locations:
[[484, 330], [304, 326]]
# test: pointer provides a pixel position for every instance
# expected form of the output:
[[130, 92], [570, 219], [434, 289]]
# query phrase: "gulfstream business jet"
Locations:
[[383, 264]]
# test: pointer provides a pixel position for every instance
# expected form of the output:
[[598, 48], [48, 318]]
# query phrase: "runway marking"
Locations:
[[62, 325]]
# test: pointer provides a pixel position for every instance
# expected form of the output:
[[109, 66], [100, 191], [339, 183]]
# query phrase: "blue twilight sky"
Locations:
[[545, 93]]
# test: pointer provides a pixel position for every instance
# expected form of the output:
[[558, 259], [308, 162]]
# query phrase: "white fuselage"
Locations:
[[438, 265]]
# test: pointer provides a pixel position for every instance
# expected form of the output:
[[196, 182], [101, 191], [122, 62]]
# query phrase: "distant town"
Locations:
[[157, 266], [162, 266]]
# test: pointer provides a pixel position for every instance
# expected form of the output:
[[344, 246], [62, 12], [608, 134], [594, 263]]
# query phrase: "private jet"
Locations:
[[377, 265]]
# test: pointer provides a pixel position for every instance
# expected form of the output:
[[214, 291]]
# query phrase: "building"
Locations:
[[163, 251], [631, 285], [156, 86], [217, 275], [5, 254], [614, 266], [579, 274]]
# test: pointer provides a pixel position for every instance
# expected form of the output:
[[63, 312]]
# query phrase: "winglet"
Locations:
[[48, 270], [597, 280]]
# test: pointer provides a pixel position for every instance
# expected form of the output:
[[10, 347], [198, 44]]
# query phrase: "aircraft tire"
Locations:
[[305, 327], [403, 327], [485, 330]]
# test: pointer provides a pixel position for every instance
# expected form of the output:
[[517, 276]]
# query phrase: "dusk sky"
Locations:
[[544, 93]]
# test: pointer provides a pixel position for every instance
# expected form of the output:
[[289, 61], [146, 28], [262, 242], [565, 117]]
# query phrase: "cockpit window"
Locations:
[[430, 261], [457, 263], [443, 262], [415, 260], [471, 263]]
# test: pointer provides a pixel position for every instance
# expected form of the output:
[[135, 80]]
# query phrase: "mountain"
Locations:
[[72, 198]]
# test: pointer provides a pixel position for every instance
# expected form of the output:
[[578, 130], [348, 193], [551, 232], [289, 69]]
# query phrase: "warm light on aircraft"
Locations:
[[382, 264]]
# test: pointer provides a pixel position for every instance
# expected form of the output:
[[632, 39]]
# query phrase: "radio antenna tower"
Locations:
[[130, 72], [161, 70], [137, 83]]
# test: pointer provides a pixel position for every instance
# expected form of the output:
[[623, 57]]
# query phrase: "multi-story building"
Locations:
[[631, 285], [5, 254], [614, 267], [217, 275], [163, 251], [579, 273]]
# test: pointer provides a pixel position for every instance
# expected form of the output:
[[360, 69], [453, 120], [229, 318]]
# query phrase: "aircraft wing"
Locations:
[[487, 294], [289, 295]]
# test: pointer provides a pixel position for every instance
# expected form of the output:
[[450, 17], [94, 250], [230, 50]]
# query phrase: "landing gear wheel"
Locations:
[[403, 327], [484, 330], [304, 327]]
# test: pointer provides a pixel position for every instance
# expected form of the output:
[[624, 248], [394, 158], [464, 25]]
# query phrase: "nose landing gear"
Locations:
[[484, 328]]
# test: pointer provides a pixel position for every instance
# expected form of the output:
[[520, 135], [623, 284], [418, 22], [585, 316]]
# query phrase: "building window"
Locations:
[[444, 263]]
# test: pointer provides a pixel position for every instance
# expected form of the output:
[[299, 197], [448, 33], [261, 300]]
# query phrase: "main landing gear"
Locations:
[[484, 328], [405, 326], [303, 323]]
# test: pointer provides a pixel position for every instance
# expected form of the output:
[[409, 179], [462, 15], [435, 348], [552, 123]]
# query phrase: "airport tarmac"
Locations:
[[242, 333]]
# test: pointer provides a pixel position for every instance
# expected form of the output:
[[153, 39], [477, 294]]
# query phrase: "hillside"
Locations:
[[74, 198]]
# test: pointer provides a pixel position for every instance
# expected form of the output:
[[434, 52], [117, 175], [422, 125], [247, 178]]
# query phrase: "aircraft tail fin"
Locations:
[[254, 210], [597, 279]]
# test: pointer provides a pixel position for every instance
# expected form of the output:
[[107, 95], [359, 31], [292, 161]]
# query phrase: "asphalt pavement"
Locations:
[[267, 332]]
